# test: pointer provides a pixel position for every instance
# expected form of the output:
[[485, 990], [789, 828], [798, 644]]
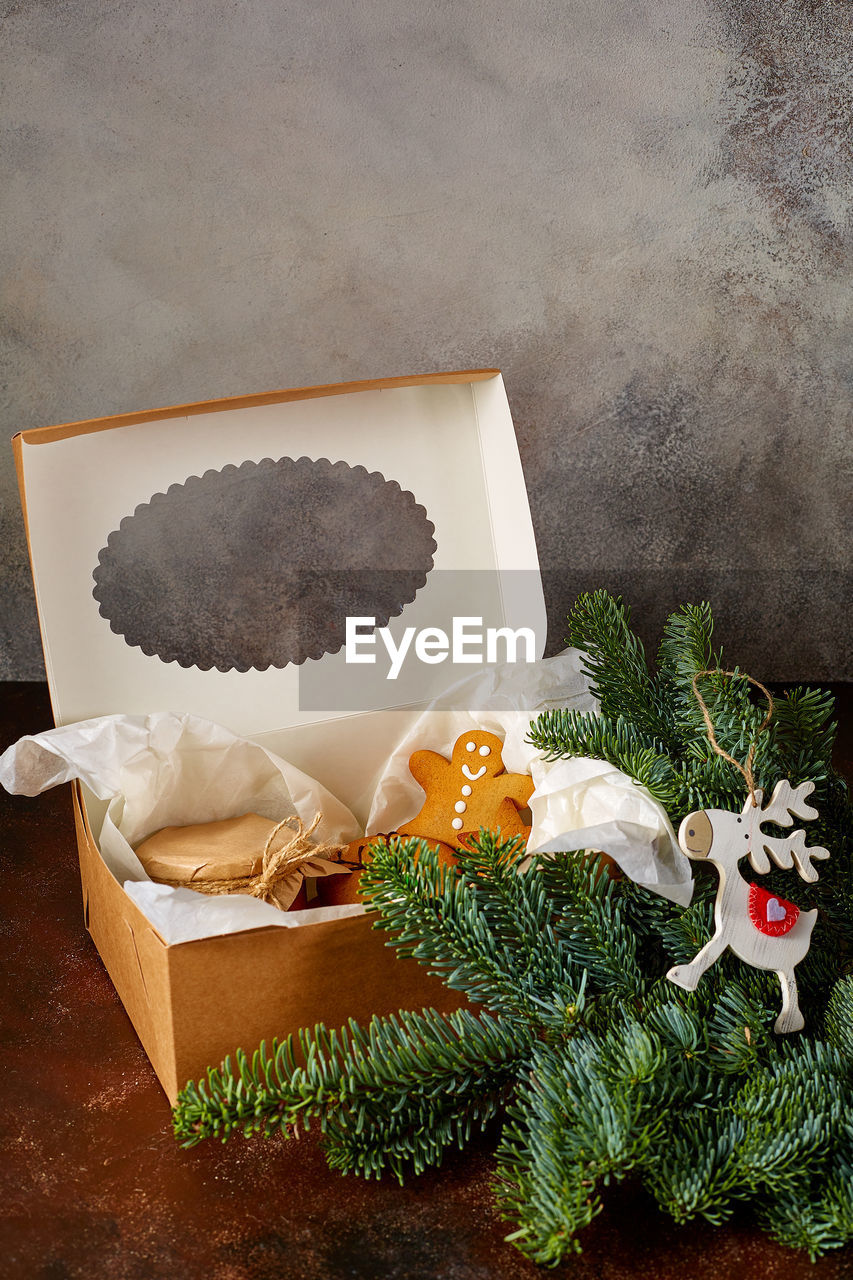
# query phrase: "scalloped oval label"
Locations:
[[260, 565]]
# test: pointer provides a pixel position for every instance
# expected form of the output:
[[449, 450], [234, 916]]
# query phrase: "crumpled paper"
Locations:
[[166, 770], [582, 803]]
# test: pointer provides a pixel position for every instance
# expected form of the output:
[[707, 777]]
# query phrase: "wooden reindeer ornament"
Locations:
[[765, 931]]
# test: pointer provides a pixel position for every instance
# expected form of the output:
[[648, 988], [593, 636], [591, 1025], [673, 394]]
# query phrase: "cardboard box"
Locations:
[[448, 438]]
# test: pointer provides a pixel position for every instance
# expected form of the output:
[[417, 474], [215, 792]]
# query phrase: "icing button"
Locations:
[[456, 824], [466, 790], [460, 806]]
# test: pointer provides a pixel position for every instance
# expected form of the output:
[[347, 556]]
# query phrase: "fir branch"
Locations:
[[614, 661], [514, 903], [685, 649], [567, 1132], [792, 1113], [737, 721], [817, 1215], [561, 733], [740, 1026], [685, 934], [711, 782], [408, 1141], [490, 938], [427, 1075], [588, 920], [804, 733], [547, 1203], [839, 1018], [694, 1173]]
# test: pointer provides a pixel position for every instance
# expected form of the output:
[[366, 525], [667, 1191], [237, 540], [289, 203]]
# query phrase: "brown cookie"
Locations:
[[467, 792], [335, 891]]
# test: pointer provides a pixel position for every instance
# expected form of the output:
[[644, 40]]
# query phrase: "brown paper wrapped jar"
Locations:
[[214, 853]]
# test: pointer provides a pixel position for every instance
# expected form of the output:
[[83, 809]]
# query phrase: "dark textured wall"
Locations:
[[641, 212]]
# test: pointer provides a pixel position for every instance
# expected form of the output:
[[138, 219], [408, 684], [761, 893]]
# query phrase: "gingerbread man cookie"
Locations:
[[469, 791]]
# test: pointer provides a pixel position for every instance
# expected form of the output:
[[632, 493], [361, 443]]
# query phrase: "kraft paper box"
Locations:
[[435, 458]]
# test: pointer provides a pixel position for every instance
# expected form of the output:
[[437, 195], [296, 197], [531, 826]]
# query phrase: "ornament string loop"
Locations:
[[745, 769]]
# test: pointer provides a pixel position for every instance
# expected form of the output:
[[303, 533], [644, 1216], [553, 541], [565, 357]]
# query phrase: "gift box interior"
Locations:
[[425, 466]]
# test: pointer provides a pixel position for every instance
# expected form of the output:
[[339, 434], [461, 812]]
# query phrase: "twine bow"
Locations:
[[276, 864], [745, 769]]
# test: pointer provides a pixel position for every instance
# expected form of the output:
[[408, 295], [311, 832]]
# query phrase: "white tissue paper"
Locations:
[[581, 803], [165, 770]]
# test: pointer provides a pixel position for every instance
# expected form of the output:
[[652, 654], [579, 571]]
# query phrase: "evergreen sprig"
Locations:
[[601, 1068], [422, 1080]]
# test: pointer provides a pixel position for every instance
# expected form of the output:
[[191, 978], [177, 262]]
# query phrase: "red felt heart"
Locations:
[[771, 914]]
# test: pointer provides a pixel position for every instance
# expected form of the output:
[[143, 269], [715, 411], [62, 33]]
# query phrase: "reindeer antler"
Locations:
[[787, 853], [785, 802]]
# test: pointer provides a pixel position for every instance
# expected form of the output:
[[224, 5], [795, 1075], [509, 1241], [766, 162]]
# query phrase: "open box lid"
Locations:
[[445, 452]]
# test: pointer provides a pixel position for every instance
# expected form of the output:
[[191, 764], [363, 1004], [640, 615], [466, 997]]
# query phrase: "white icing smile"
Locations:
[[469, 773]]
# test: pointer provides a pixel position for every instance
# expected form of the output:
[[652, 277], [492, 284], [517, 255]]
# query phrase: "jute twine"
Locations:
[[745, 769], [276, 864]]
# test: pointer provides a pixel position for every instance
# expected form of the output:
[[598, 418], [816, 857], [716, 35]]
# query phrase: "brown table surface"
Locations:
[[93, 1184]]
